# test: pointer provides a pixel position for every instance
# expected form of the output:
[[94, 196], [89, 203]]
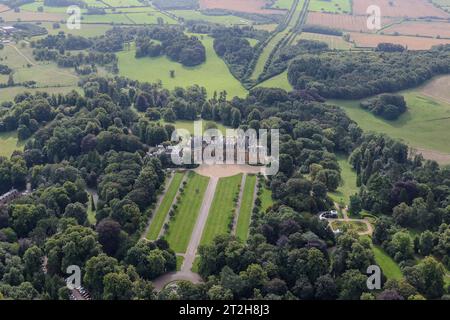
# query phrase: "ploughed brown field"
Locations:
[[250, 6], [400, 8], [343, 21], [25, 16], [3, 8], [421, 28], [366, 40]]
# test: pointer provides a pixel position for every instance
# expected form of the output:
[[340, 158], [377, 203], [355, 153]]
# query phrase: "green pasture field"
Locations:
[[162, 211], [331, 6], [283, 4], [213, 74], [424, 125], [222, 208], [181, 227], [86, 30], [245, 214]]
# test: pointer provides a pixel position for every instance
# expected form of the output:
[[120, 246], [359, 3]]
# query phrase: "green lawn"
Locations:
[[348, 185], [424, 125], [189, 125], [279, 81], [390, 268], [181, 227], [160, 215], [180, 260], [266, 198], [222, 208], [195, 265], [245, 213], [9, 143], [213, 74], [90, 212], [283, 4]]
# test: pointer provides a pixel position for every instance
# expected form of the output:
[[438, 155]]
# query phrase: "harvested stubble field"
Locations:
[[400, 8], [250, 6], [365, 40], [422, 28], [343, 21]]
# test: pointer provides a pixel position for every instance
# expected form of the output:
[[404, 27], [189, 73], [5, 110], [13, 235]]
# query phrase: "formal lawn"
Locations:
[[222, 208], [390, 268], [348, 186], [245, 213], [425, 124], [160, 215], [9, 143], [213, 74], [180, 228]]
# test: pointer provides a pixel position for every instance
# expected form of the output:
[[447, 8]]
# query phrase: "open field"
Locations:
[[364, 40], [3, 8], [283, 4], [11, 16], [400, 8], [197, 15], [390, 268], [279, 81], [250, 6], [334, 42], [245, 213], [348, 186], [213, 74], [425, 124], [181, 226], [333, 6], [9, 143], [438, 88], [87, 30], [222, 208], [161, 213], [122, 3], [343, 21], [435, 29]]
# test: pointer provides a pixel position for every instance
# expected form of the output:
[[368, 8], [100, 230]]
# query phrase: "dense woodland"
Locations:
[[354, 75], [96, 141]]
